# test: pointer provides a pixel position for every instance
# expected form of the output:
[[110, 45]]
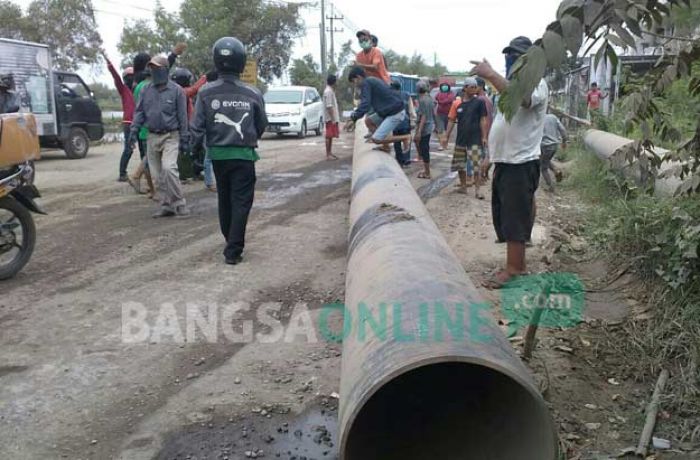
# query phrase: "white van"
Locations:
[[294, 109]]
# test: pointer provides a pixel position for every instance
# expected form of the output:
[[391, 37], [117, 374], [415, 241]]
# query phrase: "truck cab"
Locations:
[[66, 113], [78, 117]]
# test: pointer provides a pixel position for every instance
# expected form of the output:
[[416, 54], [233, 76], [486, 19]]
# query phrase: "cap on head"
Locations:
[[363, 32], [470, 81], [518, 45], [356, 72], [159, 61], [229, 55]]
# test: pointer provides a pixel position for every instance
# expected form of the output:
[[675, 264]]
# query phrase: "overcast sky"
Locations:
[[456, 30]]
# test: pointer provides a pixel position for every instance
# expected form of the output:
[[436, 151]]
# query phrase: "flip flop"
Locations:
[[422, 175]]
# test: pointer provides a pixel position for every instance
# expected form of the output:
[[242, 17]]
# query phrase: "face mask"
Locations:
[[510, 61], [365, 44], [444, 89], [159, 75]]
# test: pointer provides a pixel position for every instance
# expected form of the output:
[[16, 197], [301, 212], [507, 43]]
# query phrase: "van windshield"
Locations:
[[283, 97]]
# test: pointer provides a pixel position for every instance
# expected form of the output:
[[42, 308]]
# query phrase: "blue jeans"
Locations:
[[388, 125], [126, 153], [208, 171]]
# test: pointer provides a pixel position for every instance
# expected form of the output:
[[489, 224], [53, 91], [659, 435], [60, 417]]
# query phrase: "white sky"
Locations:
[[457, 30]]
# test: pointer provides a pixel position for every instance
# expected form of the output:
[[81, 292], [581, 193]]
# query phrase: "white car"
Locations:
[[294, 109]]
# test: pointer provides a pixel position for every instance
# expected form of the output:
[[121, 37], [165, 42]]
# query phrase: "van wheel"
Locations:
[[302, 133], [319, 129], [77, 144]]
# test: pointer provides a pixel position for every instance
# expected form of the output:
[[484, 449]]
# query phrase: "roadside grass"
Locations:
[[658, 238]]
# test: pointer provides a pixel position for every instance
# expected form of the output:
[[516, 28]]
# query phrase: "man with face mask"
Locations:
[[162, 109], [371, 58], [124, 89], [443, 100], [9, 102], [515, 150]]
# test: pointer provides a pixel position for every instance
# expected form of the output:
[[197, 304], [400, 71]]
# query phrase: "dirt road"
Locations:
[[128, 338], [72, 387]]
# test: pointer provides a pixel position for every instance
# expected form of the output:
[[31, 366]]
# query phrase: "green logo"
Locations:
[[560, 297]]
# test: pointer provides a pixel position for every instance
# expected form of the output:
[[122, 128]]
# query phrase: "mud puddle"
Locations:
[[267, 432], [434, 187]]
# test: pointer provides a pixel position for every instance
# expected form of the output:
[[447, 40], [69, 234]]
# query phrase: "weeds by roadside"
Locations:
[[659, 238]]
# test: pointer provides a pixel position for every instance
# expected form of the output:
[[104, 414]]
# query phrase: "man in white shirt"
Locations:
[[331, 115], [515, 150]]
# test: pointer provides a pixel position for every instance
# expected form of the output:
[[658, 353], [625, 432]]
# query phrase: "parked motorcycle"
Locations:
[[19, 146]]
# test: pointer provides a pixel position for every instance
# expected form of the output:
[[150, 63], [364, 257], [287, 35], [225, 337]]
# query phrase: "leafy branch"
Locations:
[[610, 24]]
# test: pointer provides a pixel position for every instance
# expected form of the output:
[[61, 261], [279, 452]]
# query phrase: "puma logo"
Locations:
[[221, 118]]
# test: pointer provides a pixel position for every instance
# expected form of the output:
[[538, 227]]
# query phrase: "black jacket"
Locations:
[[229, 113]]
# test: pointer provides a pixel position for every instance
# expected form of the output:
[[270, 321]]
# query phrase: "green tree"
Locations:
[[306, 72], [139, 35], [68, 27], [621, 23], [268, 29], [12, 22], [107, 96]]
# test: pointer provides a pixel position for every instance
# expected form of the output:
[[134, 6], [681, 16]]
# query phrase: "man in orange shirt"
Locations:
[[371, 58]]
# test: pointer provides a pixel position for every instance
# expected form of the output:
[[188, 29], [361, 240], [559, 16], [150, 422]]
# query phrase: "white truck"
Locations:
[[66, 112]]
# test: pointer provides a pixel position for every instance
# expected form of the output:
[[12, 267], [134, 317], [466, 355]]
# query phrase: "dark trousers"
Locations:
[[513, 190], [143, 147], [235, 185], [403, 158], [126, 153]]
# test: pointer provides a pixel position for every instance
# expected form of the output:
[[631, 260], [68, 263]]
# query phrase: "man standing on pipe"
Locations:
[[231, 116], [515, 150]]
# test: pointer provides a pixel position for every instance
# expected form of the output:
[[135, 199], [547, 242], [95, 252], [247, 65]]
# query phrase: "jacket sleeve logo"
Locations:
[[221, 118], [216, 104]]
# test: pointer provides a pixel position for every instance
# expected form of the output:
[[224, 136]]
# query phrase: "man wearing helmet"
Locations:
[[231, 116], [9, 102], [162, 109]]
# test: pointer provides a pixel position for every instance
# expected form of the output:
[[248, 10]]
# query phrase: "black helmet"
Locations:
[[182, 77], [7, 81], [229, 55]]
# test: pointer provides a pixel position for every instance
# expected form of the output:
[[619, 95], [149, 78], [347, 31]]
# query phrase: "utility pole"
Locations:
[[323, 37], [332, 18]]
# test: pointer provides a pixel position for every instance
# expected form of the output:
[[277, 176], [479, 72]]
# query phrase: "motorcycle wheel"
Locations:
[[15, 221]]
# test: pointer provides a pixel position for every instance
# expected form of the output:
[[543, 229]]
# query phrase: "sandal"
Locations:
[[422, 175]]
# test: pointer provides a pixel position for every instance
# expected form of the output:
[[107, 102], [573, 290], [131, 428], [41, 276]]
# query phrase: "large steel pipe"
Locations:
[[411, 387], [605, 145]]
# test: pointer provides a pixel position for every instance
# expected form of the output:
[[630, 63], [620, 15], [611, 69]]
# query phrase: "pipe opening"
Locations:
[[452, 411]]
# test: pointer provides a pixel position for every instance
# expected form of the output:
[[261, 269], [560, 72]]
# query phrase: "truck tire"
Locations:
[[77, 144]]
